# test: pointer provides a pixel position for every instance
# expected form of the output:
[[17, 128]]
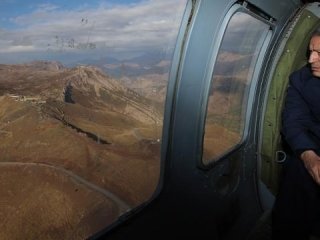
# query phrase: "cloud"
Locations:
[[148, 24], [18, 49]]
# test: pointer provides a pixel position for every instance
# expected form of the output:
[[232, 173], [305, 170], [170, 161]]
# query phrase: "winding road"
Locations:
[[123, 206]]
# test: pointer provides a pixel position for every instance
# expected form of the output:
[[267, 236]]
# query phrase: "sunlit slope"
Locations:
[[42, 203], [84, 121]]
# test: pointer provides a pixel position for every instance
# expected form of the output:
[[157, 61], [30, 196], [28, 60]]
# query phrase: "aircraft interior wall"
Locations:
[[291, 55]]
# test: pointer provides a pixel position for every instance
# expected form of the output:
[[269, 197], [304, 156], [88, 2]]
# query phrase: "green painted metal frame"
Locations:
[[292, 57]]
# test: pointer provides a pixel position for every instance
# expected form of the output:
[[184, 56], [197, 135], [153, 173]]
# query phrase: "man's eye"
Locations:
[[313, 51]]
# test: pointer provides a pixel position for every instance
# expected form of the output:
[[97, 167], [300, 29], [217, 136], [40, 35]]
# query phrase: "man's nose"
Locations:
[[314, 56]]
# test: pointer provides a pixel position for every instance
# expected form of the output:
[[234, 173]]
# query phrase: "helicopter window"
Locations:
[[82, 91], [230, 84]]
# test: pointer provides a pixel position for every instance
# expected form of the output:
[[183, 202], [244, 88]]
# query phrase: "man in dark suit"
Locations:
[[297, 207]]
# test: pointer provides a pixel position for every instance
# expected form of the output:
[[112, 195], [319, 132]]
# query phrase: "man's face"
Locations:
[[314, 58]]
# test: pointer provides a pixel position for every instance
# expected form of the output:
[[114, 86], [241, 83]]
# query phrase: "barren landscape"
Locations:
[[77, 149], [226, 104]]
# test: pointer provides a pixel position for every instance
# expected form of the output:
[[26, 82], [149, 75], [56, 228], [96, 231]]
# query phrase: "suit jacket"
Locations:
[[301, 113]]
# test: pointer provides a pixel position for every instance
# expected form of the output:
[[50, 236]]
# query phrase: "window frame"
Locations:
[[211, 162]]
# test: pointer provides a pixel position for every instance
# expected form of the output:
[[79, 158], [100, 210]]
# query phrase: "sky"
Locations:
[[69, 30]]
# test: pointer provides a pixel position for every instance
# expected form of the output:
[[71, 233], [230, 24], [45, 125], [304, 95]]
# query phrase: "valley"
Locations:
[[59, 125]]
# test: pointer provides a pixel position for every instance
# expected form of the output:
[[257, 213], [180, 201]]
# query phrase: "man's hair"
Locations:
[[316, 32]]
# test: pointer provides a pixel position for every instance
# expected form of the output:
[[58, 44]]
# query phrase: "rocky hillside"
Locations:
[[82, 120], [84, 85]]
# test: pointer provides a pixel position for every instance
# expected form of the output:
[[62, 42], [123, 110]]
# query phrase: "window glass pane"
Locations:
[[232, 76], [82, 90]]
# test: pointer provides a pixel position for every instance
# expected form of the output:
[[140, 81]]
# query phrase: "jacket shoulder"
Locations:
[[299, 77]]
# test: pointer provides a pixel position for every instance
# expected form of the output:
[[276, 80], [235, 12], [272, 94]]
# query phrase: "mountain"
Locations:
[[147, 63], [87, 86], [45, 65], [83, 121], [94, 62]]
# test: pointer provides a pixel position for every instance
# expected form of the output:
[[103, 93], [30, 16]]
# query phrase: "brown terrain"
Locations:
[[225, 105], [77, 150], [152, 86]]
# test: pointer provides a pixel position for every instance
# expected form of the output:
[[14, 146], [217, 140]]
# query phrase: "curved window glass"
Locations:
[[82, 90], [230, 84]]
